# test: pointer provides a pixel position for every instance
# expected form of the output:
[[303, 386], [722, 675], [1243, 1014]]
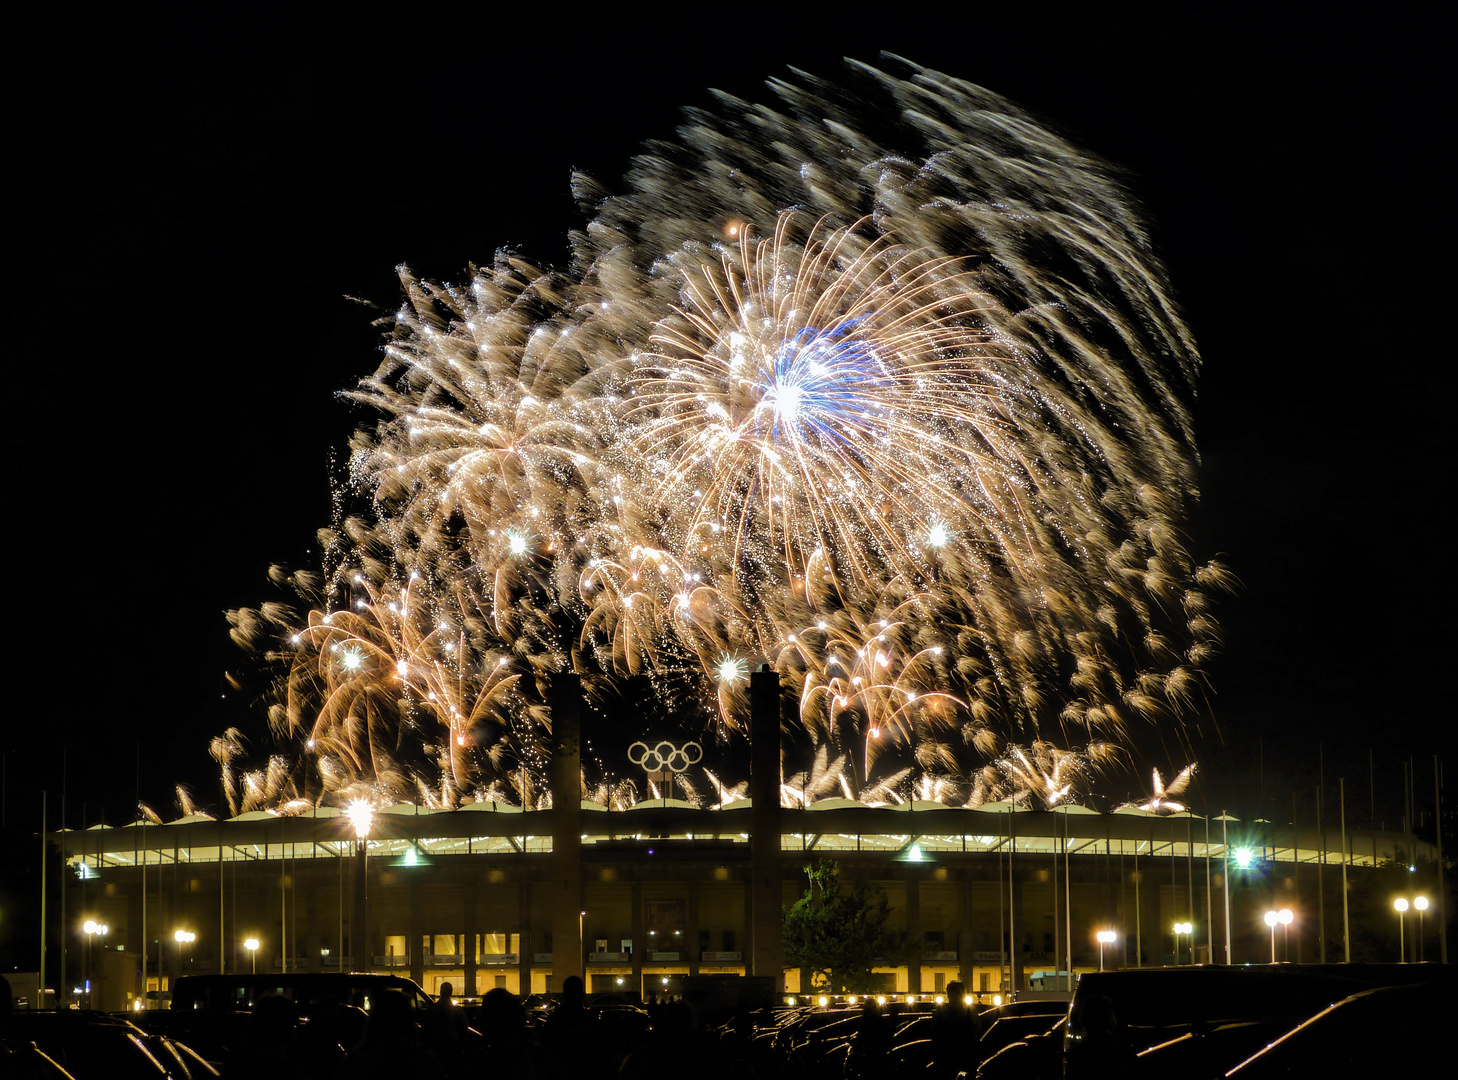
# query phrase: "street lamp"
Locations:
[[1106, 937], [1421, 903], [252, 946], [361, 815], [92, 928], [1287, 917], [1272, 918], [182, 937], [1401, 905], [1187, 929]]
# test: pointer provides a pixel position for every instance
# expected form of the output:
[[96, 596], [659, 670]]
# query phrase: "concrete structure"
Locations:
[[478, 896], [489, 895]]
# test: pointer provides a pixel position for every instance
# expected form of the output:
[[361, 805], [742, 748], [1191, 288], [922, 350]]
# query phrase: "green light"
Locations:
[[1243, 857]]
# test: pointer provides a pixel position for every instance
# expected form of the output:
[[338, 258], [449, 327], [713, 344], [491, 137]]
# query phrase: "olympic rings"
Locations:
[[665, 757]]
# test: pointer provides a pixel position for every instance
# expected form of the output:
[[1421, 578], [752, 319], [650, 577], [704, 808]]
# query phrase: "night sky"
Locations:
[[199, 200]]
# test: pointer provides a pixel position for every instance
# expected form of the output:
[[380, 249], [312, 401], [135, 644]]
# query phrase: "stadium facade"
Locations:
[[488, 895]]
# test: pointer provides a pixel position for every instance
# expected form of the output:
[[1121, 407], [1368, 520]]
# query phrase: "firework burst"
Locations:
[[904, 415]]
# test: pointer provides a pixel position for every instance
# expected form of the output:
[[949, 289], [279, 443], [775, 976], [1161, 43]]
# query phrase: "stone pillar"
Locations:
[[965, 936], [312, 937], [414, 946], [640, 935], [1016, 955], [691, 925], [564, 699], [524, 943], [914, 944], [766, 917], [359, 946], [471, 925]]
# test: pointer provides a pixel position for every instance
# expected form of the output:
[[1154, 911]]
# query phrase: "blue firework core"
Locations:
[[821, 379]]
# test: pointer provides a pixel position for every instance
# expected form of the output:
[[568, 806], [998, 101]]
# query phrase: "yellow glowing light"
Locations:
[[824, 1001], [361, 816]]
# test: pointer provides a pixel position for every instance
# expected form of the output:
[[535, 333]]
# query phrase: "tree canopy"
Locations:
[[836, 936]]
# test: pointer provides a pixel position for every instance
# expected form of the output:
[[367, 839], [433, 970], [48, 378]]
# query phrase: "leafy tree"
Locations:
[[836, 936]]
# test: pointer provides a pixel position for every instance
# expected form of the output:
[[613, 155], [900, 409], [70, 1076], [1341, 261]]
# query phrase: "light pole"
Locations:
[[92, 928], [1272, 918], [1188, 930], [1106, 937], [1421, 903], [1401, 905], [361, 815], [182, 937], [1287, 917], [252, 946]]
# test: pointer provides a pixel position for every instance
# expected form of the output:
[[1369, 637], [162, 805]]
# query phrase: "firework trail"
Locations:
[[1162, 799], [880, 383]]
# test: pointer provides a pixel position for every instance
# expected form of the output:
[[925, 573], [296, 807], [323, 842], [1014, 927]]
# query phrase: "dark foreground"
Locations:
[[1191, 1022]]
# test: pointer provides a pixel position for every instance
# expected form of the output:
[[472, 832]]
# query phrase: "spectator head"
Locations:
[[390, 1019], [573, 991]]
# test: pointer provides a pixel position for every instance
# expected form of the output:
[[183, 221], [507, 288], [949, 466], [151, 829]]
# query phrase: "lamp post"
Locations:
[[252, 946], [361, 815], [92, 928], [1272, 918], [182, 937], [1106, 937], [1188, 930], [1401, 905], [1421, 903], [1287, 917]]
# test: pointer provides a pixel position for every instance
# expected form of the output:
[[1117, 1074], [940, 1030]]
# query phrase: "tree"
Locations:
[[836, 936]]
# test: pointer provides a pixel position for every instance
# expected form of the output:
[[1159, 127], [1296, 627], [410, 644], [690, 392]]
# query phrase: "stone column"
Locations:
[[416, 947], [564, 698], [913, 930], [471, 924], [524, 943], [640, 935], [766, 918], [966, 939], [691, 925], [359, 946], [1016, 955]]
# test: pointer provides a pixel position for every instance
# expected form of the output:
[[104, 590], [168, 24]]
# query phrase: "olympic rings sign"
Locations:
[[665, 757]]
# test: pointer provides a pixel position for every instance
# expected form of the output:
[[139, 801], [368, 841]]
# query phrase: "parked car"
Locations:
[[1357, 1036], [210, 1012], [1203, 1021], [99, 1046]]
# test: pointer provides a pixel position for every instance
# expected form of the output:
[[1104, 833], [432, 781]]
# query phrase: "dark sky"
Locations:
[[198, 196]]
